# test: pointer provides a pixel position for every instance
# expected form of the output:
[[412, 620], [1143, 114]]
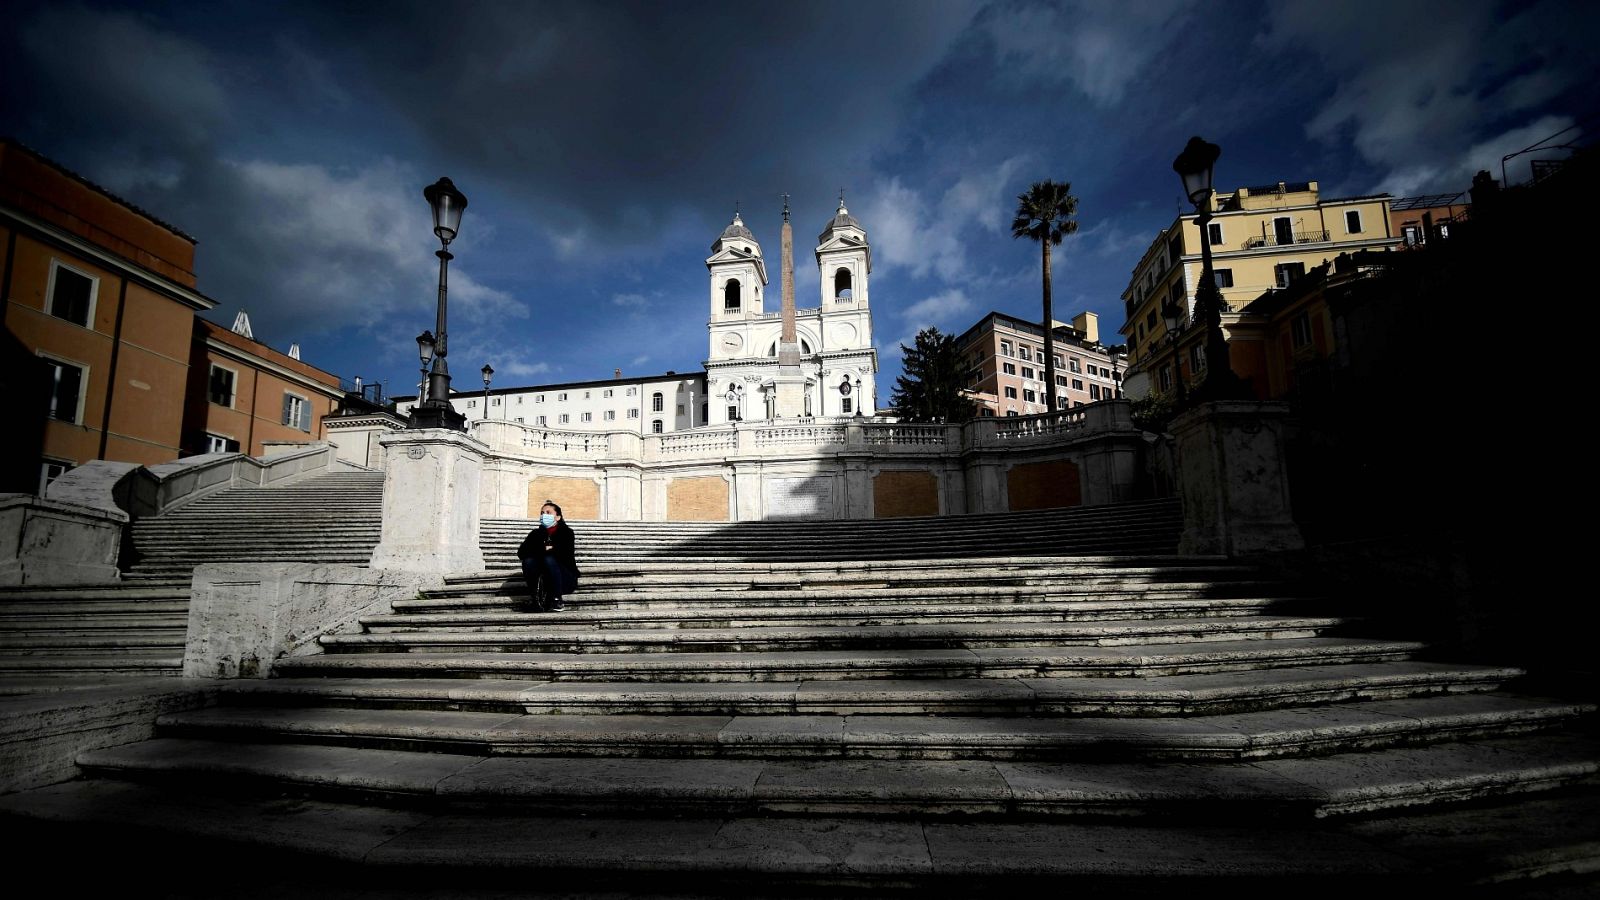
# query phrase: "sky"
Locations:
[[602, 147]]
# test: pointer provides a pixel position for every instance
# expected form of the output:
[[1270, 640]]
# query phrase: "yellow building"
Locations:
[[1262, 238]]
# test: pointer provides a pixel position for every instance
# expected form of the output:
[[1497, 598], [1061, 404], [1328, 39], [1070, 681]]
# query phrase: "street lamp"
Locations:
[[860, 398], [1194, 165], [488, 373], [436, 412], [425, 353], [1174, 315]]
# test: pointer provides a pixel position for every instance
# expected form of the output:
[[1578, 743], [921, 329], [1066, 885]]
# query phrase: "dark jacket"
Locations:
[[563, 546]]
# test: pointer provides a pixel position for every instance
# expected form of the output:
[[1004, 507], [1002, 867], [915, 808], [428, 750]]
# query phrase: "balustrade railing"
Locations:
[[805, 435], [914, 435], [693, 442], [1019, 427], [1274, 240]]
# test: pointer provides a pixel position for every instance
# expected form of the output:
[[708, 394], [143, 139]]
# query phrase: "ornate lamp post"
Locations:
[[488, 373], [1194, 166], [436, 411], [860, 398], [425, 353]]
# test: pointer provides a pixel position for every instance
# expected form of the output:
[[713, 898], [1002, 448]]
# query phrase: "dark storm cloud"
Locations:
[[612, 116]]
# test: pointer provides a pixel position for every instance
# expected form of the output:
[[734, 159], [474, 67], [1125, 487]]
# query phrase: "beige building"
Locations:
[[1005, 365], [1262, 238]]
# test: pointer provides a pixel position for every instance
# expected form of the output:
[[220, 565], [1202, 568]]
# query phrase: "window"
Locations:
[[1214, 234], [542, 421], [1283, 231], [587, 417], [1175, 249], [733, 414], [519, 399], [296, 412], [1030, 396], [1150, 319], [1300, 328], [656, 402], [633, 392], [845, 406], [1094, 392], [1077, 384], [1011, 412], [680, 409], [1289, 273], [1074, 365], [1061, 381], [564, 419], [1166, 378], [519, 420], [221, 388], [1197, 358], [633, 414], [1412, 234], [1022, 353], [730, 295], [50, 470], [1011, 393], [1005, 348], [606, 394], [1009, 368], [471, 404], [841, 284], [1027, 372], [538, 398], [611, 415], [495, 402], [1058, 360], [986, 411], [1062, 403], [71, 295], [216, 443], [1352, 221], [655, 426], [562, 396], [586, 395], [1224, 277]]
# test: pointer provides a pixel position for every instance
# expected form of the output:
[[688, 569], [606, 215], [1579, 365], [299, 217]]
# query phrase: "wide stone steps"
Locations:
[[843, 611], [109, 629], [735, 667], [1275, 788], [1148, 696], [1334, 728], [579, 639], [142, 663]]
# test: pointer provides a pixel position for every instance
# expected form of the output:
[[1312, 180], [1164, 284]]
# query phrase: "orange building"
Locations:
[[243, 393], [99, 306], [1005, 365], [103, 348], [1418, 219]]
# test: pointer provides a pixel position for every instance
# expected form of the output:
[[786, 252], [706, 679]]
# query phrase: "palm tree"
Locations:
[[1045, 214]]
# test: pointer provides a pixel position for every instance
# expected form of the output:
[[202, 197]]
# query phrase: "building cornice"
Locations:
[[251, 359], [50, 234]]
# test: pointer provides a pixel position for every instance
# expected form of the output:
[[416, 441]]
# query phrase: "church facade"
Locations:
[[833, 371]]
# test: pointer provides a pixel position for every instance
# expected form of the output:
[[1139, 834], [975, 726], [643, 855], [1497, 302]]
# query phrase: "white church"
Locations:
[[787, 363]]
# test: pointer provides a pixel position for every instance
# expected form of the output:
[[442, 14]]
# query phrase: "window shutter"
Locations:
[[305, 417]]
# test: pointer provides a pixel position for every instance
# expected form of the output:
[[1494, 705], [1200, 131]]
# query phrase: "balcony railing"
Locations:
[[1299, 237]]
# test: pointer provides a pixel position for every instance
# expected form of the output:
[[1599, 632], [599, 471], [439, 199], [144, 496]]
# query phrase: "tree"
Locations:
[[1045, 214], [930, 389]]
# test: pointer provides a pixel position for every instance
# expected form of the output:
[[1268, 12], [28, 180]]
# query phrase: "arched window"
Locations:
[[730, 294], [656, 401], [841, 285], [655, 426], [805, 348]]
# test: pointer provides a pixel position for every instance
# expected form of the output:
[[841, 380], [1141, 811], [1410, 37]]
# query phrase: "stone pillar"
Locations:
[[1233, 478], [430, 502]]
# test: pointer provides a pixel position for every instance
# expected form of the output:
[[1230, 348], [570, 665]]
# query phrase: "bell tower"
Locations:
[[844, 262], [738, 274]]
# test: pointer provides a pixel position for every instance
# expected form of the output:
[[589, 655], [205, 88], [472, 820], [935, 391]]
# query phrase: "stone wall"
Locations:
[[1044, 485], [697, 499], [901, 493], [579, 498]]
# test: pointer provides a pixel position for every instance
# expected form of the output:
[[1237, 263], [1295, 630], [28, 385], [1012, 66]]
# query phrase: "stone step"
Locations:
[[106, 608], [141, 662], [849, 610], [95, 621], [1534, 845], [559, 639], [118, 593], [1335, 728], [1153, 696], [1090, 661], [1230, 791]]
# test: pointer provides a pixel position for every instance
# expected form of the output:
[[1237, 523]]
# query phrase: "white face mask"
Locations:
[[547, 519]]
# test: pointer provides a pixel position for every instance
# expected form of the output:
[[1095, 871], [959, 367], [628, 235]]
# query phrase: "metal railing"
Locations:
[[1298, 237]]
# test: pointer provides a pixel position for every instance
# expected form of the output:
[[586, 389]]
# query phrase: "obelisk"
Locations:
[[790, 384]]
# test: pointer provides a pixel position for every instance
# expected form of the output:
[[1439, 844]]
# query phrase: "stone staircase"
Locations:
[[137, 627], [719, 712], [333, 518]]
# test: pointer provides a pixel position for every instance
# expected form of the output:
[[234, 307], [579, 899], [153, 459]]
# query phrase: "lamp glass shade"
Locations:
[[1173, 313], [488, 373], [1194, 165], [448, 204], [425, 348]]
